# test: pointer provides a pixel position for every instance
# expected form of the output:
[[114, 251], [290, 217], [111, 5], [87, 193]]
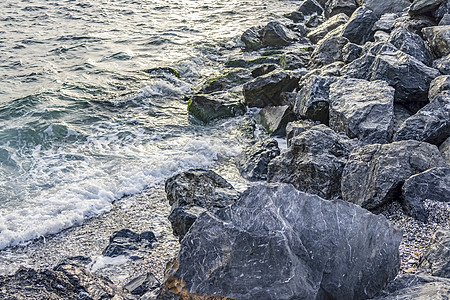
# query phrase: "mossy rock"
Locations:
[[207, 107], [227, 81]]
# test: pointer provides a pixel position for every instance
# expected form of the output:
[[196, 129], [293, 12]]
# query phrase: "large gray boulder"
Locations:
[[267, 90], [419, 7], [362, 109], [328, 50], [207, 107], [433, 184], [381, 7], [296, 128], [436, 261], [438, 85], [386, 22], [416, 287], [276, 34], [358, 29], [275, 118], [252, 38], [412, 44], [194, 191], [430, 124], [374, 174], [313, 162], [253, 161], [312, 101], [332, 23], [438, 38], [279, 243], [334, 7]]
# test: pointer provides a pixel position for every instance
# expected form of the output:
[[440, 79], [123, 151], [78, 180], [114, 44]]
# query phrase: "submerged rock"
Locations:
[[374, 174], [362, 109], [207, 107], [275, 118], [436, 260], [433, 184], [253, 161], [313, 162], [280, 243]]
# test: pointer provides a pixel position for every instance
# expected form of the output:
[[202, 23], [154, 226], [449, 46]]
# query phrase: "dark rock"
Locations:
[[375, 173], [331, 70], [350, 52], [411, 44], [313, 163], [445, 150], [443, 65], [207, 107], [419, 7], [414, 24], [359, 68], [182, 218], [430, 124], [126, 242], [332, 23], [252, 38], [381, 7], [386, 22], [443, 9], [433, 184], [267, 90], [410, 78], [379, 48], [276, 34], [242, 63], [436, 260], [334, 7], [438, 38], [381, 36], [275, 118], [279, 243], [328, 50], [312, 101], [362, 109], [400, 115], [313, 21], [445, 21], [418, 287], [252, 162], [263, 69], [309, 7], [227, 82], [296, 128], [358, 29], [142, 284]]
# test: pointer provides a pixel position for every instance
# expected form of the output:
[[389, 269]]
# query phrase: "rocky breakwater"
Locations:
[[360, 90]]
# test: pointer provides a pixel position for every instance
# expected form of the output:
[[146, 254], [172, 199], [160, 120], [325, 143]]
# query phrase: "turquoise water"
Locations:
[[82, 120]]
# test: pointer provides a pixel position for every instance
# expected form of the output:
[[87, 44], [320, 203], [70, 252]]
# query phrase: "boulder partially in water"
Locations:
[[208, 107]]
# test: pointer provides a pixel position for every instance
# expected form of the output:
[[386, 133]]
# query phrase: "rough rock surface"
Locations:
[[433, 184], [334, 7], [267, 90], [251, 38], [362, 109], [332, 23], [207, 107], [142, 284], [400, 115], [381, 7], [412, 44], [438, 85], [312, 101], [313, 162], [328, 50], [438, 38], [436, 260], [358, 29], [386, 22], [275, 118], [350, 52], [416, 287], [445, 150], [419, 7], [229, 81], [253, 161], [129, 243], [297, 127], [375, 173], [276, 34], [259, 249], [430, 124], [443, 65]]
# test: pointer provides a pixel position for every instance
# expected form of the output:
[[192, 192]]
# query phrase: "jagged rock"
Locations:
[[312, 101], [252, 38], [438, 85], [227, 82], [379, 48], [416, 287], [358, 29], [207, 107], [362, 109], [267, 90], [438, 38], [430, 124], [252, 162], [400, 115], [445, 150], [414, 24], [410, 78], [264, 69], [375, 173], [443, 65], [126, 242], [296, 128], [411, 44], [328, 50], [142, 284], [359, 68], [436, 260], [381, 7], [445, 20], [386, 22], [433, 184], [313, 21], [276, 34], [331, 70], [243, 63], [313, 163], [419, 7], [334, 7], [275, 118], [350, 52], [443, 9], [193, 191], [381, 36], [332, 23], [280, 243], [309, 7]]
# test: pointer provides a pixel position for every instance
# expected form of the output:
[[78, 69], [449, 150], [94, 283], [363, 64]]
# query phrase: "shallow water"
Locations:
[[83, 124]]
